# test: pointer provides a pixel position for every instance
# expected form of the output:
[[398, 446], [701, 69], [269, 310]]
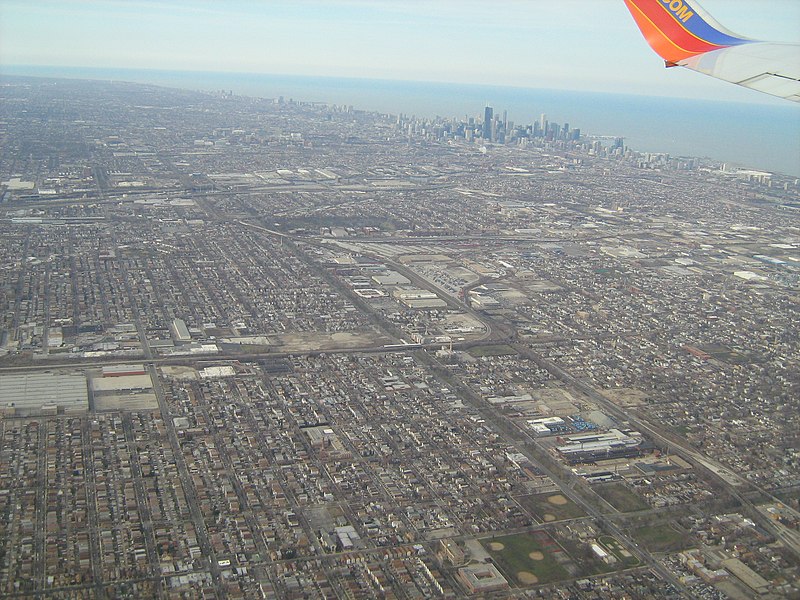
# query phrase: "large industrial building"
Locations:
[[180, 333], [601, 446], [36, 394], [123, 387], [418, 298]]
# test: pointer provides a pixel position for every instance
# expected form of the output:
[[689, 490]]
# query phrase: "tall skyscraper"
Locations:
[[543, 122], [488, 113]]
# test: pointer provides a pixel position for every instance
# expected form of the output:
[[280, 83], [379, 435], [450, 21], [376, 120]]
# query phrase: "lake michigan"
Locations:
[[758, 136]]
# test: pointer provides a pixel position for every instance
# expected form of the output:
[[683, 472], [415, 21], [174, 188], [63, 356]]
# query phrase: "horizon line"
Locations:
[[767, 101]]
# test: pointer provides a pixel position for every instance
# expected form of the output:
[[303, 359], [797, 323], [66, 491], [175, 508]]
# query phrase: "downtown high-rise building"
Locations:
[[488, 115]]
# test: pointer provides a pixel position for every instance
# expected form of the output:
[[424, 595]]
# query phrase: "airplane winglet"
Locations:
[[683, 34], [679, 29]]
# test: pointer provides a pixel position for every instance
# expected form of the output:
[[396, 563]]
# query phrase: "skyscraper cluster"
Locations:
[[496, 130]]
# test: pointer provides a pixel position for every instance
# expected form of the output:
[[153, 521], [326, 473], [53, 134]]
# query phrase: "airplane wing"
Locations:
[[685, 35]]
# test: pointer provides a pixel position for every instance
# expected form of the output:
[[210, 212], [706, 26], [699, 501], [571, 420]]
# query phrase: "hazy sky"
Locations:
[[567, 44]]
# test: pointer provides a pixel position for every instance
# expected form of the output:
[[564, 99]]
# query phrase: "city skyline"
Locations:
[[525, 44]]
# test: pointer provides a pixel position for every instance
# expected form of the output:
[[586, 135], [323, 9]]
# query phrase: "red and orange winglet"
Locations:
[[677, 29]]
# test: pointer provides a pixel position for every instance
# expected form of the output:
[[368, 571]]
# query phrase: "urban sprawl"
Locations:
[[262, 348]]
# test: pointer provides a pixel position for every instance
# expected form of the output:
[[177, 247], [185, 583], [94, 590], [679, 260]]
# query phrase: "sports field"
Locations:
[[528, 558]]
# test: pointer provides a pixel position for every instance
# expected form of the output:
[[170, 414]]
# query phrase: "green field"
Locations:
[[681, 430], [723, 353], [619, 551], [499, 350], [550, 507], [528, 553], [661, 538], [620, 497]]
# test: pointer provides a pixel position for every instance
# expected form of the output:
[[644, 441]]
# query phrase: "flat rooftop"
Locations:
[[28, 394]]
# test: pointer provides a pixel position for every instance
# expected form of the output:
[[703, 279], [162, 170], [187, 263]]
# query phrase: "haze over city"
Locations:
[[569, 44]]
